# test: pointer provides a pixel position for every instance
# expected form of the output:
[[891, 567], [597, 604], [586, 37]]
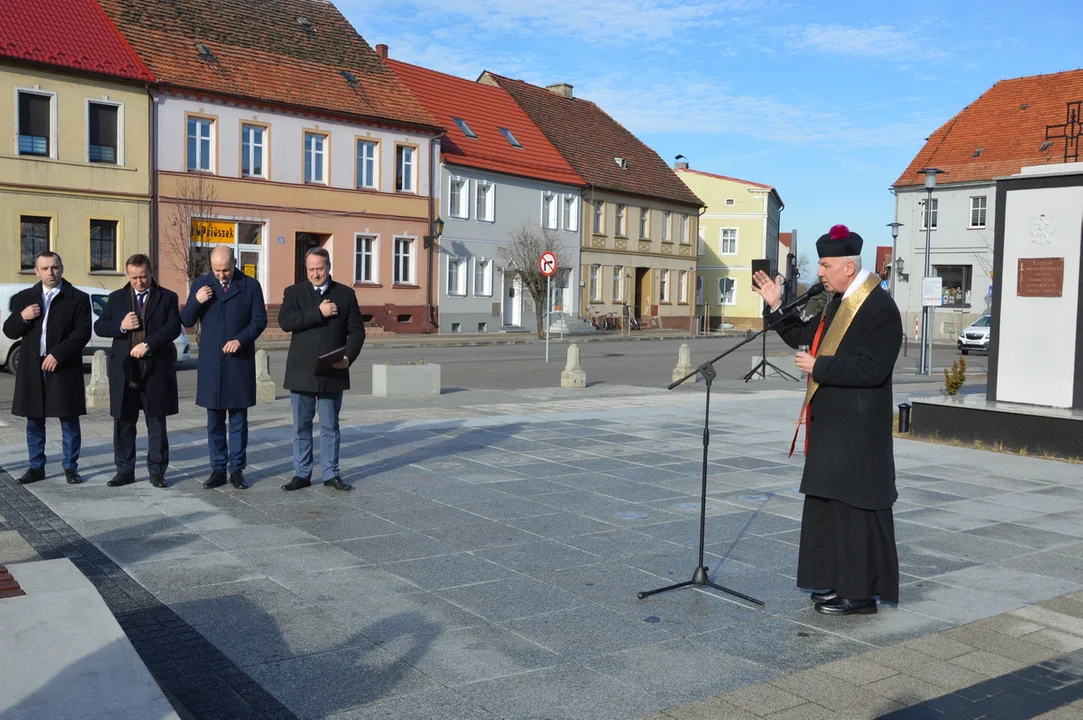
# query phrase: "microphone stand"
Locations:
[[707, 370]]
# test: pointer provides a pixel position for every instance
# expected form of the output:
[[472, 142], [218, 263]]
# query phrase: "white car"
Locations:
[[976, 336], [9, 349]]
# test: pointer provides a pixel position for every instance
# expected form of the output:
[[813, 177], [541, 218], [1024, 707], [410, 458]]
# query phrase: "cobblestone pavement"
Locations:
[[487, 562]]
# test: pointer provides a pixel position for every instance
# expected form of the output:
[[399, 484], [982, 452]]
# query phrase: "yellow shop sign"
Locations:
[[211, 231]]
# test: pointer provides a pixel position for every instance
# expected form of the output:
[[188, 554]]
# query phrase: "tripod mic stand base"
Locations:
[[699, 578]]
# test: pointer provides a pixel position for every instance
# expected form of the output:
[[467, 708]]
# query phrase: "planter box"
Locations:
[[394, 380]]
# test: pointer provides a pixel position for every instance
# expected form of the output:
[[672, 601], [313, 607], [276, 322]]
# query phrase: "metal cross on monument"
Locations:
[[1070, 130]]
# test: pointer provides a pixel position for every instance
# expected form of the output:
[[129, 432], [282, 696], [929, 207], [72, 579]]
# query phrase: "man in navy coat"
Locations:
[[229, 306], [143, 319]]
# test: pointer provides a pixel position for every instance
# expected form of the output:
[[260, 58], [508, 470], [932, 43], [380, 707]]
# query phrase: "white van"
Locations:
[[9, 356]]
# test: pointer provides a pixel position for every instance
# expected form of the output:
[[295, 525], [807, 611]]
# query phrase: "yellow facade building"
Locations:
[[75, 176], [739, 225]]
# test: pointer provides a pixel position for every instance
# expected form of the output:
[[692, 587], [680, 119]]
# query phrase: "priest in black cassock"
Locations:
[[847, 533]]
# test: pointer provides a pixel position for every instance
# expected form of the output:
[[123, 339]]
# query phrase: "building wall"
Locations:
[[517, 205], [66, 187], [284, 206], [754, 215], [645, 261], [954, 244]]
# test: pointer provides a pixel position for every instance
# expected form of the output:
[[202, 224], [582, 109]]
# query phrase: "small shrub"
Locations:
[[954, 377]]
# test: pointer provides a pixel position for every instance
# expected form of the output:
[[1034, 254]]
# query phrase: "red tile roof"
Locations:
[[1008, 122], [724, 177], [485, 109], [591, 140], [786, 239], [71, 34], [262, 51]]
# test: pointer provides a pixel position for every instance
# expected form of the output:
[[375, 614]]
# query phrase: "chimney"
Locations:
[[680, 165], [562, 89], [381, 50]]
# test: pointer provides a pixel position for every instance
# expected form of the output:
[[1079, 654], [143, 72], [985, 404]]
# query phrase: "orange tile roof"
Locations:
[[1008, 122], [263, 52], [485, 109], [590, 140], [71, 34], [786, 238]]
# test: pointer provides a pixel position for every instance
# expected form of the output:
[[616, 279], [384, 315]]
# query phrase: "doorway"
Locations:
[[303, 242], [513, 300], [642, 291]]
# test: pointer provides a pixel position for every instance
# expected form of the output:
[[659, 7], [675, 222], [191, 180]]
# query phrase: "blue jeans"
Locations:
[[305, 406], [238, 439], [72, 441]]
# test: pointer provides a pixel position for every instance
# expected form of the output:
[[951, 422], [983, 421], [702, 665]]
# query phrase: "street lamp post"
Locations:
[[430, 242], [894, 260], [930, 174]]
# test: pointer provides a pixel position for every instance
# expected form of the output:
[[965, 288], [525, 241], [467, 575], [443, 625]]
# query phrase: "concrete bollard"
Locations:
[[265, 386], [573, 375], [684, 362], [97, 392]]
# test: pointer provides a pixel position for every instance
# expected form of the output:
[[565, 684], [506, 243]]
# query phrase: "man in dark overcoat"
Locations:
[[52, 322], [143, 319], [847, 530], [229, 307], [323, 317]]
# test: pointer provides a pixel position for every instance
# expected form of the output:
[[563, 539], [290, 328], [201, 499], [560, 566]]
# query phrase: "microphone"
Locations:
[[812, 292]]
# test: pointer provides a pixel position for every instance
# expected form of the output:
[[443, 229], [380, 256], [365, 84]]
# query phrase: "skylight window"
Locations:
[[307, 25], [465, 128], [204, 52], [1045, 146], [977, 152], [350, 78], [622, 163], [1024, 106], [510, 138]]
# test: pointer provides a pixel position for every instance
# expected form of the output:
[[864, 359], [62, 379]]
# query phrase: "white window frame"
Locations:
[[52, 120], [399, 264], [983, 210], [322, 154], [935, 213], [370, 261], [722, 240], [484, 191], [120, 129], [549, 217], [599, 217], [462, 212], [729, 299], [363, 181], [406, 168], [618, 283], [644, 223], [570, 208], [595, 283], [665, 226], [210, 140], [684, 229], [682, 287], [456, 271], [619, 229], [663, 285], [484, 267], [262, 145]]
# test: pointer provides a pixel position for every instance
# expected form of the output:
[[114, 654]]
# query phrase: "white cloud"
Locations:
[[872, 41]]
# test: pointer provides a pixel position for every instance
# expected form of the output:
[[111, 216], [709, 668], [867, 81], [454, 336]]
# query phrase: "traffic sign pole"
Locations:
[[548, 305]]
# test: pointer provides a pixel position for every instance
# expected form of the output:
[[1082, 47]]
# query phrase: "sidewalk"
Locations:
[[487, 563]]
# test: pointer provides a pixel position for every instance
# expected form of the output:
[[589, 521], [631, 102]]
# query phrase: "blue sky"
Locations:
[[826, 101]]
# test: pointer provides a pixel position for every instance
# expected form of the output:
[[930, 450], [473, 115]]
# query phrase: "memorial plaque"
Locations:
[[1040, 277]]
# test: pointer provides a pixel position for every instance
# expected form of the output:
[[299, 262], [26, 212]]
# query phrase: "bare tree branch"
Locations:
[[196, 199], [521, 254]]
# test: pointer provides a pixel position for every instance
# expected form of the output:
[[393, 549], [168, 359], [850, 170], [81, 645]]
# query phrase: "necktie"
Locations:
[[47, 301], [139, 299], [225, 288], [320, 291]]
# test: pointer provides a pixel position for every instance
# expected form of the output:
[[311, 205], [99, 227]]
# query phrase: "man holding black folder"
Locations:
[[327, 334]]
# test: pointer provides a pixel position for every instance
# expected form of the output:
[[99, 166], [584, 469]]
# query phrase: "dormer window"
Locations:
[[622, 163], [465, 128]]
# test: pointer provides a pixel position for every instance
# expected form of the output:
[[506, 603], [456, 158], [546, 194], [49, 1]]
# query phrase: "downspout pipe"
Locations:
[[434, 185], [153, 237]]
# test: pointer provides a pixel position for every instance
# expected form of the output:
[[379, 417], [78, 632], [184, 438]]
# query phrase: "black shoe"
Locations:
[[121, 479], [843, 606], [158, 481], [73, 476], [337, 484], [236, 479], [825, 596], [32, 475], [217, 479], [297, 483]]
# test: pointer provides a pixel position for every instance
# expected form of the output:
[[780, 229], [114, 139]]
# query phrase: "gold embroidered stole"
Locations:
[[844, 316]]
